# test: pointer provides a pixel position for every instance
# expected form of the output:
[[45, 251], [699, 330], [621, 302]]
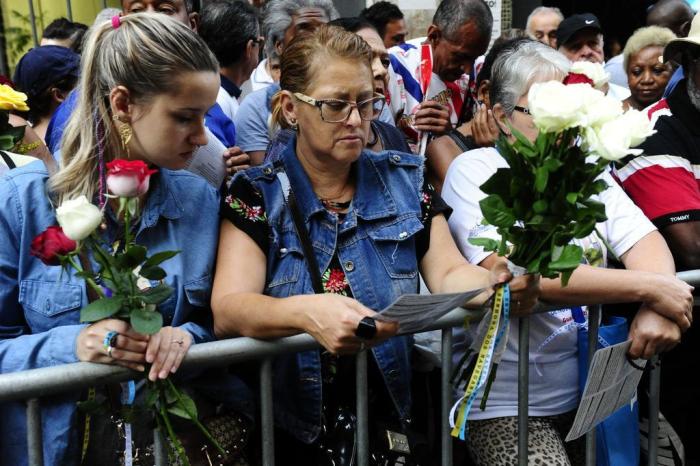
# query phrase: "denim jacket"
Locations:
[[40, 306], [376, 248]]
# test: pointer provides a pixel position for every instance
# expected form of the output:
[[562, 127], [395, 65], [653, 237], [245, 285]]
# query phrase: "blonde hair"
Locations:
[[643, 38], [307, 53], [146, 54]]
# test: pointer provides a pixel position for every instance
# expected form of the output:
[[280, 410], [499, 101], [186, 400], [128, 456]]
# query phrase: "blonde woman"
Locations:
[[146, 83]]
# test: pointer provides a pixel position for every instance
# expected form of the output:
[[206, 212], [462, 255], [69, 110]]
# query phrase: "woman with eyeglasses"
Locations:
[[323, 238], [649, 279]]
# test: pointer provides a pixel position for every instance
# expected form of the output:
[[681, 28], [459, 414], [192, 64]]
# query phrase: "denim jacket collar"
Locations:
[[368, 203], [163, 200]]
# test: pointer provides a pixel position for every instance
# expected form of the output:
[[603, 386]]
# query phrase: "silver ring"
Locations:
[[109, 351], [179, 342]]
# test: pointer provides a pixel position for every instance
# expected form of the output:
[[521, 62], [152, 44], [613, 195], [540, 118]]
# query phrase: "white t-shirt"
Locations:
[[404, 89], [553, 360], [229, 104]]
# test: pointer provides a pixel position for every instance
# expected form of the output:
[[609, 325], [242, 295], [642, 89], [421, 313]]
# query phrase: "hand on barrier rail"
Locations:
[[164, 350], [671, 298], [333, 319], [524, 289], [652, 333]]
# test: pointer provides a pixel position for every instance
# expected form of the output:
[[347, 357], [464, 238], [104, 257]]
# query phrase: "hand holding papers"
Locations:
[[414, 312]]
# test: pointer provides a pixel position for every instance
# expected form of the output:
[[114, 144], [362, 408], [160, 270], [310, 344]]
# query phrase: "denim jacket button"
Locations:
[[284, 251], [403, 235], [349, 266], [267, 171], [396, 158]]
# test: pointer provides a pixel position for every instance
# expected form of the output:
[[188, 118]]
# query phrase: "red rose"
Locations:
[[51, 244], [128, 178], [577, 78]]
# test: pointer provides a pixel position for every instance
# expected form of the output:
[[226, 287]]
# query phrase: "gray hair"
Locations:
[[542, 9], [452, 14], [516, 69], [643, 38], [278, 16]]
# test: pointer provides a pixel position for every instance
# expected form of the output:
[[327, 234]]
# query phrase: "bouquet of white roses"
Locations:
[[542, 200], [122, 285]]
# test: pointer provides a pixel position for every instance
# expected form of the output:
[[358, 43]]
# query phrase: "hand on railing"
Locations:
[[333, 319], [524, 289], [671, 298], [651, 334]]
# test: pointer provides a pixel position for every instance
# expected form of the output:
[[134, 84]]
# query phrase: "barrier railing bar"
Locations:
[[267, 427], [523, 388], [446, 396], [37, 383], [594, 316], [362, 423], [34, 438], [69, 10], [160, 452], [32, 20], [654, 392]]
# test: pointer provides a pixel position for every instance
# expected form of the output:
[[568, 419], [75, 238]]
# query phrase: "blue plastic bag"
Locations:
[[617, 437]]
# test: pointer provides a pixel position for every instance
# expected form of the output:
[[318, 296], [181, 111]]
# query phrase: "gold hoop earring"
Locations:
[[293, 124]]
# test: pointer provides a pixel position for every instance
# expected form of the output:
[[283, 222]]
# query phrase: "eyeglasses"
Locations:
[[258, 40], [524, 110], [336, 110]]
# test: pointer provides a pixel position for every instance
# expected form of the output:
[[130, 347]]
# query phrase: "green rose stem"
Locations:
[[194, 419], [88, 280], [163, 412]]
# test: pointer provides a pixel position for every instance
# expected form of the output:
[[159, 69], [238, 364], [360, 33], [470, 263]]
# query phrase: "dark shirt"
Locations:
[[230, 87]]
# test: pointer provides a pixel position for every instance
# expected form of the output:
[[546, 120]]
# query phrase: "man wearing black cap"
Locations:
[[580, 38]]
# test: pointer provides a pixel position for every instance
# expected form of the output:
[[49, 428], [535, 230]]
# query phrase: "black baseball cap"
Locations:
[[574, 24]]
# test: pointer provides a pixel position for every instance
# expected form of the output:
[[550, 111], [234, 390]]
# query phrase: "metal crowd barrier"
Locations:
[[31, 385]]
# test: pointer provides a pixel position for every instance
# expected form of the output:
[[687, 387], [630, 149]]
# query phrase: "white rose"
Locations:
[[611, 141], [594, 71], [78, 218], [556, 107], [638, 125], [598, 107]]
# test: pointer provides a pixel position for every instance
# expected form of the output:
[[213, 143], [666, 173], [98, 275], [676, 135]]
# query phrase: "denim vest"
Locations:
[[376, 246]]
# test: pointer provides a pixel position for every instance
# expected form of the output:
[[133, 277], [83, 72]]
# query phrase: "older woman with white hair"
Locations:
[[647, 73], [649, 278]]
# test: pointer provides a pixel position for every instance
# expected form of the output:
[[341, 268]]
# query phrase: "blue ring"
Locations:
[[110, 340]]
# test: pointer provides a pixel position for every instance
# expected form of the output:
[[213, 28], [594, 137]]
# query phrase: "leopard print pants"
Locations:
[[494, 442]]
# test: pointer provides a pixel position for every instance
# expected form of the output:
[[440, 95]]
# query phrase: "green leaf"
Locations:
[[146, 321], [599, 186], [159, 257], [157, 294], [523, 145], [496, 212], [584, 228], [499, 183], [553, 164], [101, 309], [152, 273], [487, 243], [566, 257], [571, 198], [184, 407], [541, 178], [132, 256], [540, 206]]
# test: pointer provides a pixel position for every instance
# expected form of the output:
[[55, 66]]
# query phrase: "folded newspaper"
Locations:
[[415, 312]]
